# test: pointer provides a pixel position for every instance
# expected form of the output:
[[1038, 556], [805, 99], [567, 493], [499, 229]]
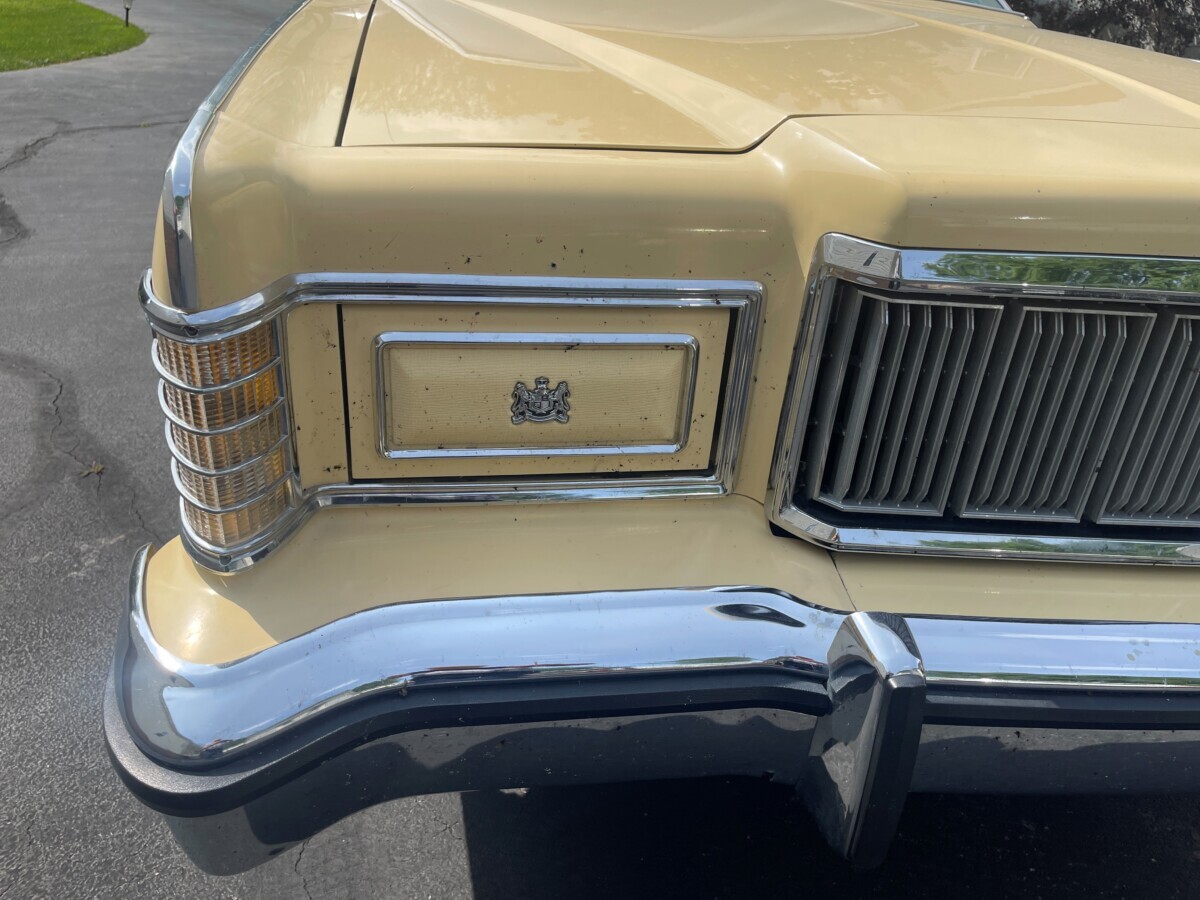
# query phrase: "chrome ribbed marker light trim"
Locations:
[[234, 528], [212, 454], [216, 363], [232, 463], [221, 490], [208, 410]]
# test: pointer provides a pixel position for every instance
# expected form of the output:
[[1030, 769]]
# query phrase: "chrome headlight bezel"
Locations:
[[218, 450]]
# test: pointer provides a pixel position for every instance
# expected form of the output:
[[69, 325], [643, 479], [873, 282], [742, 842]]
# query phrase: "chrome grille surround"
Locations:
[[989, 404]]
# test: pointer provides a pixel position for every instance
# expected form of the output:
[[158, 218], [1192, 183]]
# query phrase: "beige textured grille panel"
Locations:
[[1004, 410]]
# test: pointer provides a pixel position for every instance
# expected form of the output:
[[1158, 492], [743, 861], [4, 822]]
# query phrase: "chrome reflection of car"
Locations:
[[880, 328]]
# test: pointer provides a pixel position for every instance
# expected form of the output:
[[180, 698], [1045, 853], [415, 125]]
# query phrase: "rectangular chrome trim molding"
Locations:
[[177, 182], [500, 339], [986, 275], [743, 298]]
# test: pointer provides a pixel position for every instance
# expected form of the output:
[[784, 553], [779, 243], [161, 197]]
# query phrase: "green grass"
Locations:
[[40, 32]]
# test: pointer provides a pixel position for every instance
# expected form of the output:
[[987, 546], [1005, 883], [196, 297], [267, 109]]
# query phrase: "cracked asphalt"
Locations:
[[84, 482]]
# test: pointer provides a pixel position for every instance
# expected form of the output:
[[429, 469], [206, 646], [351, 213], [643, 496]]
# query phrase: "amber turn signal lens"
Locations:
[[227, 430], [213, 452], [224, 407], [217, 362], [233, 487], [236, 527]]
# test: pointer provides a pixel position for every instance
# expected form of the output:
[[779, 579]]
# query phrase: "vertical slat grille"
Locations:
[[1155, 476], [1006, 409], [1052, 361], [895, 388]]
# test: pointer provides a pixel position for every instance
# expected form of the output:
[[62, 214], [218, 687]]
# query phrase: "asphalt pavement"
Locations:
[[84, 483]]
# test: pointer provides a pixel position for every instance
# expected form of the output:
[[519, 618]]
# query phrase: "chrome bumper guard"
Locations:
[[248, 758]]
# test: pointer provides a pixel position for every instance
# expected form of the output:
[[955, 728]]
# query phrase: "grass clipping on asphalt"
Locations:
[[40, 32]]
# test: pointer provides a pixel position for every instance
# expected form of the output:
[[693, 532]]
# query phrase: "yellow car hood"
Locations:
[[718, 75]]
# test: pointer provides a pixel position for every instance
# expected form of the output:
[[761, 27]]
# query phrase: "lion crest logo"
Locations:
[[540, 404]]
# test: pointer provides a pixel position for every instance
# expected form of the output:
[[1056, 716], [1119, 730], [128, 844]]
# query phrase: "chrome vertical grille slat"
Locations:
[[1184, 387], [873, 378], [1182, 445], [865, 366], [972, 478], [1041, 335], [1058, 456], [1193, 509], [1186, 487], [1022, 467], [1187, 484], [1111, 396], [1157, 479], [895, 432], [1157, 476], [1141, 462], [921, 405], [957, 397], [836, 355], [1128, 453], [890, 365]]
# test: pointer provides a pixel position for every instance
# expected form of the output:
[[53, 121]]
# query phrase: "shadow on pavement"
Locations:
[[743, 838]]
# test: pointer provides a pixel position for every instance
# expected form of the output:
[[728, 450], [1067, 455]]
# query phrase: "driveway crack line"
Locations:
[[57, 448], [12, 229], [296, 869], [65, 129]]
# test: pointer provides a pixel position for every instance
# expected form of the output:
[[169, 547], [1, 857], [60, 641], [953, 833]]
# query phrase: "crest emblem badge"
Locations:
[[540, 404]]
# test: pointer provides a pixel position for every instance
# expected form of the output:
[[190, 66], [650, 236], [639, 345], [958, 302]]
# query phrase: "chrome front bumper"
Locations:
[[856, 710]]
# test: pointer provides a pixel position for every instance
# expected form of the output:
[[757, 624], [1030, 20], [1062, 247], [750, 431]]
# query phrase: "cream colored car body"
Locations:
[[548, 139], [396, 216]]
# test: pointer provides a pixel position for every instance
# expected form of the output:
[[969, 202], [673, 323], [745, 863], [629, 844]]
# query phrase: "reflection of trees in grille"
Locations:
[[987, 268], [1168, 26]]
